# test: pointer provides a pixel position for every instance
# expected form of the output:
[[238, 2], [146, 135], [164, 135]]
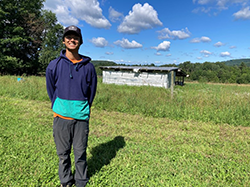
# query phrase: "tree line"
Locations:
[[217, 72]]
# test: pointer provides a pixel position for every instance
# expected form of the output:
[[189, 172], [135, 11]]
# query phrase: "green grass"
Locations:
[[220, 104], [128, 148], [32, 88]]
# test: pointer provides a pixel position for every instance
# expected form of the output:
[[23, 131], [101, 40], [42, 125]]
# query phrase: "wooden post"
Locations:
[[172, 84]]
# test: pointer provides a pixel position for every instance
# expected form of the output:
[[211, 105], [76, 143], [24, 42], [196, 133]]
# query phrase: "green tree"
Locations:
[[20, 35], [187, 66], [29, 37], [52, 40], [243, 68], [243, 79]]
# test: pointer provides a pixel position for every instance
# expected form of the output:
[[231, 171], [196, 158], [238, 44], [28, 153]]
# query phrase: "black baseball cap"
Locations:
[[73, 29]]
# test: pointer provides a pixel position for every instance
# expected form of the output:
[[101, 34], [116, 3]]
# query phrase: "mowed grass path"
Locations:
[[124, 150]]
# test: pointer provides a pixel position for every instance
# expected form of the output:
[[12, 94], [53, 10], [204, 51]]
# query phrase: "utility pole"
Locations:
[[172, 84]]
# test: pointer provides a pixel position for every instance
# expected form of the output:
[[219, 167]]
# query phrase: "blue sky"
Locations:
[[159, 31]]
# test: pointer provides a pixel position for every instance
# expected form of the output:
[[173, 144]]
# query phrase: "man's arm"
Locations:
[[50, 83], [93, 86]]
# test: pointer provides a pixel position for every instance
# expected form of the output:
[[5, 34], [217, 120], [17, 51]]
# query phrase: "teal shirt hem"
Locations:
[[72, 108]]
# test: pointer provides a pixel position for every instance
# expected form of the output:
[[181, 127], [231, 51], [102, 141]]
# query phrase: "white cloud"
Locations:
[[114, 15], [243, 14], [225, 54], [233, 47], [201, 2], [202, 39], [140, 18], [220, 3], [207, 6], [224, 4], [205, 39], [219, 44], [205, 53], [175, 34], [70, 12], [158, 54], [109, 53], [99, 42], [124, 43], [164, 46], [202, 9], [62, 12]]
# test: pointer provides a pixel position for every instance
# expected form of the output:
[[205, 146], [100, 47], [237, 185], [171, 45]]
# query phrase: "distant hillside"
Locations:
[[98, 63], [103, 63], [237, 62]]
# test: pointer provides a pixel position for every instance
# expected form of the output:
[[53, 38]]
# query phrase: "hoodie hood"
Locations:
[[85, 60]]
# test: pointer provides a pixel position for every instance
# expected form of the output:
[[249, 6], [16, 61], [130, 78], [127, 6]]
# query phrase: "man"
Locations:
[[71, 85]]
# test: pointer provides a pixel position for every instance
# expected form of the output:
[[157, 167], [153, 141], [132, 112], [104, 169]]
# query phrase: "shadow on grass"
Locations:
[[103, 154]]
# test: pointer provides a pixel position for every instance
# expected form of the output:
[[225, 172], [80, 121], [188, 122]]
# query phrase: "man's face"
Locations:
[[72, 42]]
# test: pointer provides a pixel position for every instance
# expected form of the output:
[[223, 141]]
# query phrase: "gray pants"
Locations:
[[67, 133]]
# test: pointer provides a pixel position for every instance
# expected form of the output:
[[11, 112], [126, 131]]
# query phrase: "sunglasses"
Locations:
[[69, 37]]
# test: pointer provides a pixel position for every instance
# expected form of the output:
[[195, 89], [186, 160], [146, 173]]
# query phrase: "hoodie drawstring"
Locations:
[[76, 67], [70, 71]]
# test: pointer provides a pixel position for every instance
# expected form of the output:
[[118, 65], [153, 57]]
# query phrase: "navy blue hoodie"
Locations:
[[71, 87]]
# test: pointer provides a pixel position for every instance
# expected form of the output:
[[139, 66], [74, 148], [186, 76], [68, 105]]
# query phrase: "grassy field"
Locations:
[[139, 136]]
